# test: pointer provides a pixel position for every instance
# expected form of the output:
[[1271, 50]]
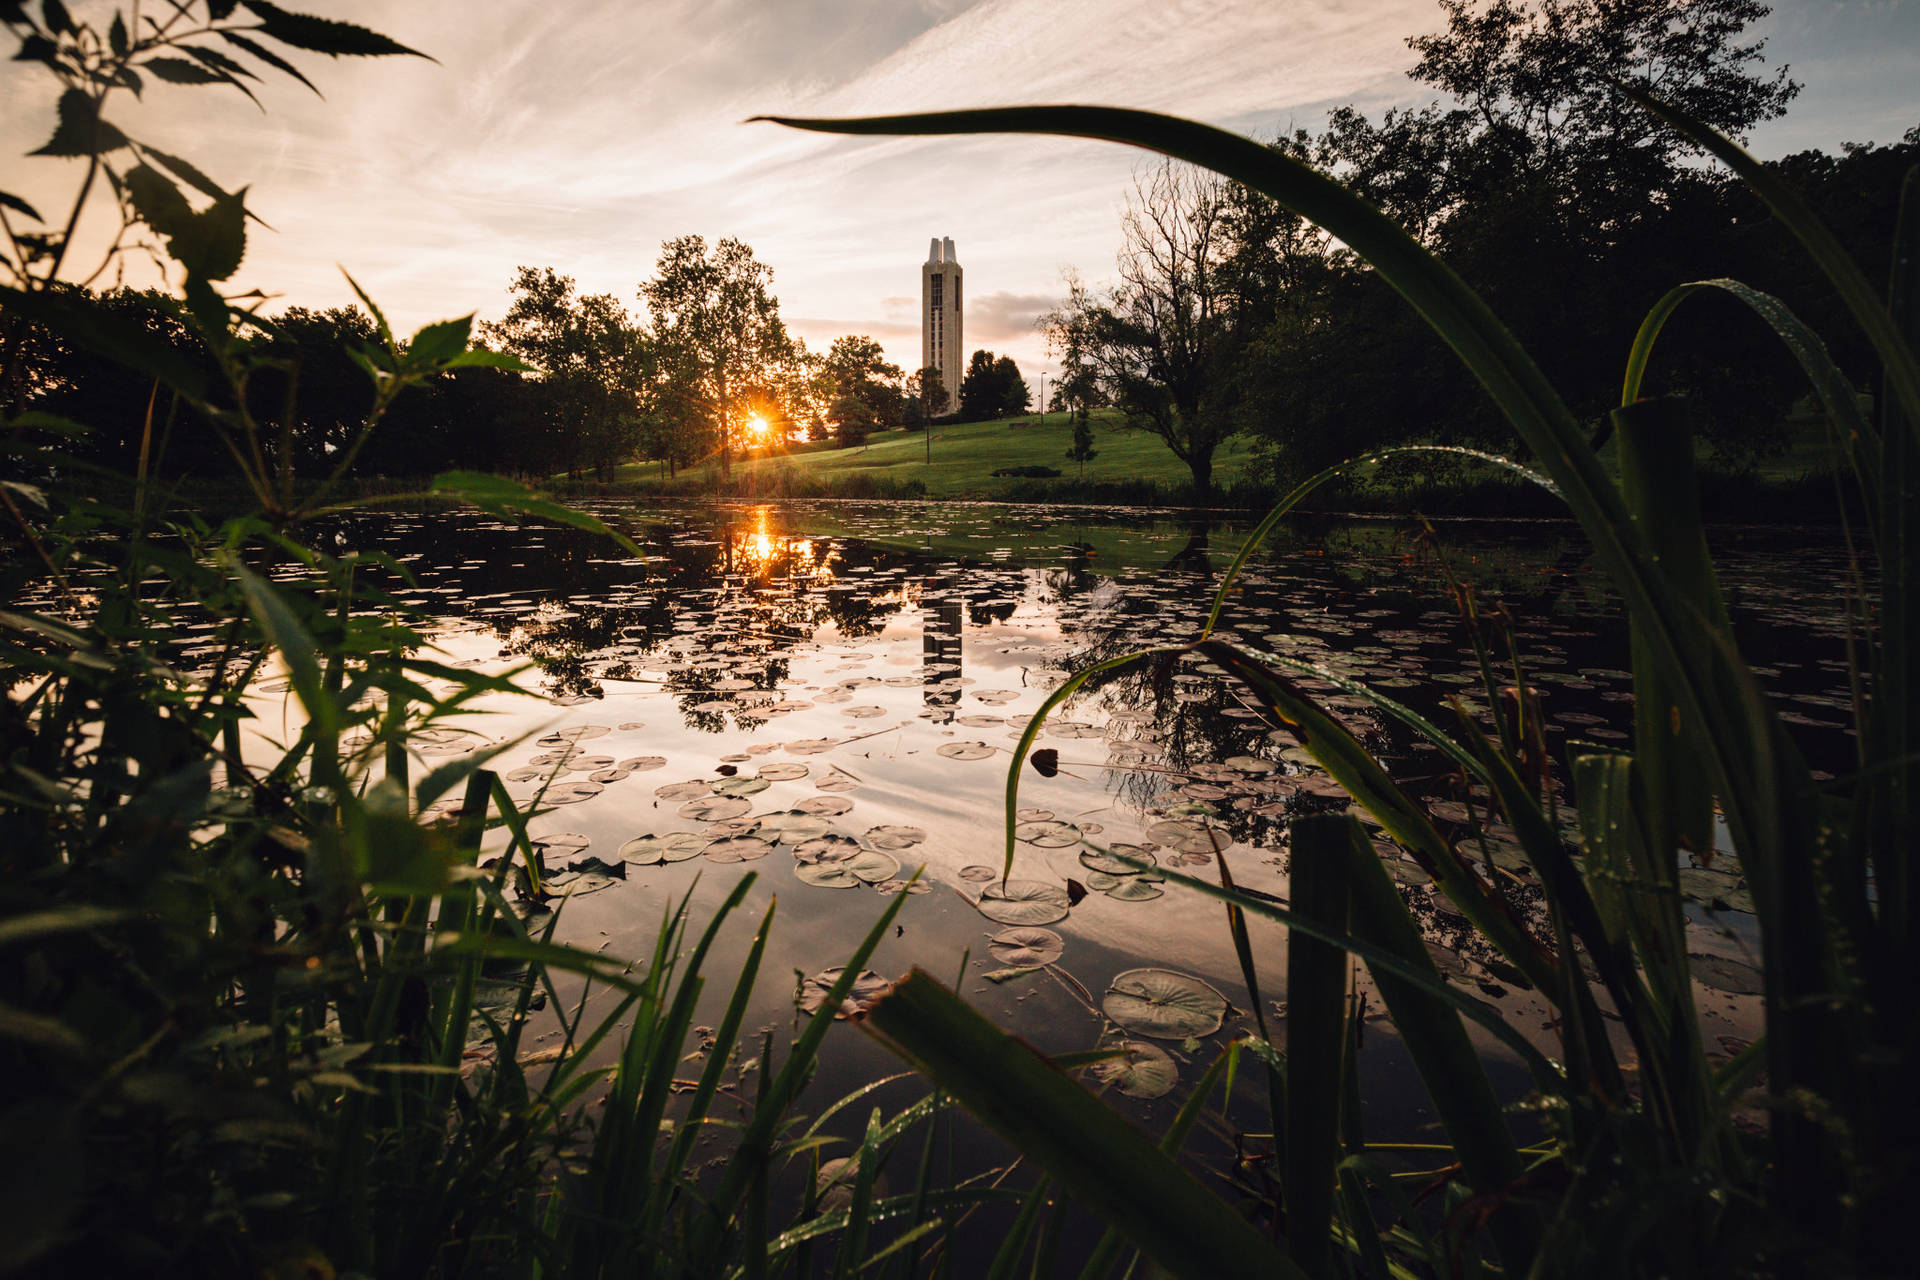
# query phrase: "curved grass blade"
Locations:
[[1066, 690], [1095, 1155], [1855, 433], [1901, 365], [1756, 792], [1404, 819]]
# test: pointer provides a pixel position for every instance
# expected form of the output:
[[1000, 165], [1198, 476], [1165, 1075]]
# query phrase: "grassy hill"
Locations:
[[965, 456]]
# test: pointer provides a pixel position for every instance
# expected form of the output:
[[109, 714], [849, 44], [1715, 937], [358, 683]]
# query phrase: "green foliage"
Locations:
[[1651, 1176], [992, 388]]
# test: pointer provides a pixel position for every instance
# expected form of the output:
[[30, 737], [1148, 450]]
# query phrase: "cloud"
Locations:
[[1000, 316]]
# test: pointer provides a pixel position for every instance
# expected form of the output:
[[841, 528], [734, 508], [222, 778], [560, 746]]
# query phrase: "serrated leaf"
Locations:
[[438, 343], [269, 57], [18, 205], [211, 247], [158, 201], [81, 131], [218, 61], [180, 71], [379, 316], [324, 35]]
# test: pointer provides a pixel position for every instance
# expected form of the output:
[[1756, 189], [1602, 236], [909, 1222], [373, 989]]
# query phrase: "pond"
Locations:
[[827, 695]]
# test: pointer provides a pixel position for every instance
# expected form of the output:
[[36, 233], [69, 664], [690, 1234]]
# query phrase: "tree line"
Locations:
[[705, 369], [1536, 179]]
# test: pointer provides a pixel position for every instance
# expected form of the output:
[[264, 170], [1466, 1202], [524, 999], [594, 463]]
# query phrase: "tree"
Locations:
[[1164, 341], [718, 329], [595, 368], [928, 389], [1082, 450], [1535, 166], [1010, 388]]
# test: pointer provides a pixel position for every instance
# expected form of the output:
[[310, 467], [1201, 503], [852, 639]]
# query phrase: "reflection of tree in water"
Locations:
[[1194, 557]]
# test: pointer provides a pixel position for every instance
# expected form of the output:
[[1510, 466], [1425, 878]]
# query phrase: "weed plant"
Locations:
[[264, 1004]]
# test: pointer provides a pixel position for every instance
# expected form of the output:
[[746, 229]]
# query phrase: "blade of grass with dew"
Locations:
[[1097, 1157]]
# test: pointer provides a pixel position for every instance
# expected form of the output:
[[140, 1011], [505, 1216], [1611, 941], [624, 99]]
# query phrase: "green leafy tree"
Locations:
[[926, 390], [717, 329], [594, 367], [1082, 450], [1010, 388]]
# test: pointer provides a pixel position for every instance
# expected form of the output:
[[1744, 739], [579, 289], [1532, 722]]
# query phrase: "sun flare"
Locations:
[[759, 430]]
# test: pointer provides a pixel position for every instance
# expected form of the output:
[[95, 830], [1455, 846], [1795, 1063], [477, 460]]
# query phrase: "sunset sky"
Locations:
[[580, 136]]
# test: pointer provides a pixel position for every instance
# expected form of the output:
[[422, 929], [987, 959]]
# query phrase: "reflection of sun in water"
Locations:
[[759, 430]]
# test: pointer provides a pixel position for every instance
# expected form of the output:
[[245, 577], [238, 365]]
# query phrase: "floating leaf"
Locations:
[[978, 874], [1164, 1004], [825, 806], [827, 875], [1134, 889], [571, 792], [1113, 863], [782, 772], [1732, 976], [965, 750], [676, 847], [868, 987], [828, 848], [1026, 948], [1028, 902], [1045, 762], [1047, 835], [693, 790], [741, 787], [1143, 1071], [873, 866], [892, 837], [715, 809], [736, 849], [793, 825]]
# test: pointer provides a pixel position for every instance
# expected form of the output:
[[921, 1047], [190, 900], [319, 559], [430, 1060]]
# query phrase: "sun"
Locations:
[[759, 430]]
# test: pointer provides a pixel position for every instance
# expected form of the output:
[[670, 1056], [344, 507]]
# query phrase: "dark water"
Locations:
[[827, 695]]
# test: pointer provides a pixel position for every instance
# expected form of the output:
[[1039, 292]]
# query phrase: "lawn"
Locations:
[[966, 455]]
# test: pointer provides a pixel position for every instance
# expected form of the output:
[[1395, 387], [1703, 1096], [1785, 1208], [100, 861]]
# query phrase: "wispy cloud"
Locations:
[[582, 136]]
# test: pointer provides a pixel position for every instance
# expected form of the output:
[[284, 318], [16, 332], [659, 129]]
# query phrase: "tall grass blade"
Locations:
[[1095, 1156], [1316, 1043]]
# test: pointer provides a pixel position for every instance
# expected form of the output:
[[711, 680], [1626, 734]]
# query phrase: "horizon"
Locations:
[[512, 153]]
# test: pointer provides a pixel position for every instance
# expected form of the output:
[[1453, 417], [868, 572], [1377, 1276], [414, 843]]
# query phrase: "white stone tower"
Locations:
[[940, 338]]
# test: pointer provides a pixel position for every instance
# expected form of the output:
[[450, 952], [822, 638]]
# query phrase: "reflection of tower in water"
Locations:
[[941, 618]]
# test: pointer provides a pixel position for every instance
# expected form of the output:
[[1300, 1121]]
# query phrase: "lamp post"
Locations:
[[1043, 397]]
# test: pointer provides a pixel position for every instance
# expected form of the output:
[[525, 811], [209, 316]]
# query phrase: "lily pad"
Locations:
[[873, 866], [571, 792], [1144, 1071], [715, 809], [965, 750], [827, 848], [1164, 1004], [782, 772], [1026, 948], [978, 874], [740, 788], [1732, 976], [1047, 835], [1030, 902], [825, 806], [892, 837], [736, 849], [793, 825], [1134, 889], [1187, 837], [827, 875], [1107, 861], [693, 789], [867, 987], [679, 846]]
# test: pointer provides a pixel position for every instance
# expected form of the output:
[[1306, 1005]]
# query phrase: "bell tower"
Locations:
[[940, 336]]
